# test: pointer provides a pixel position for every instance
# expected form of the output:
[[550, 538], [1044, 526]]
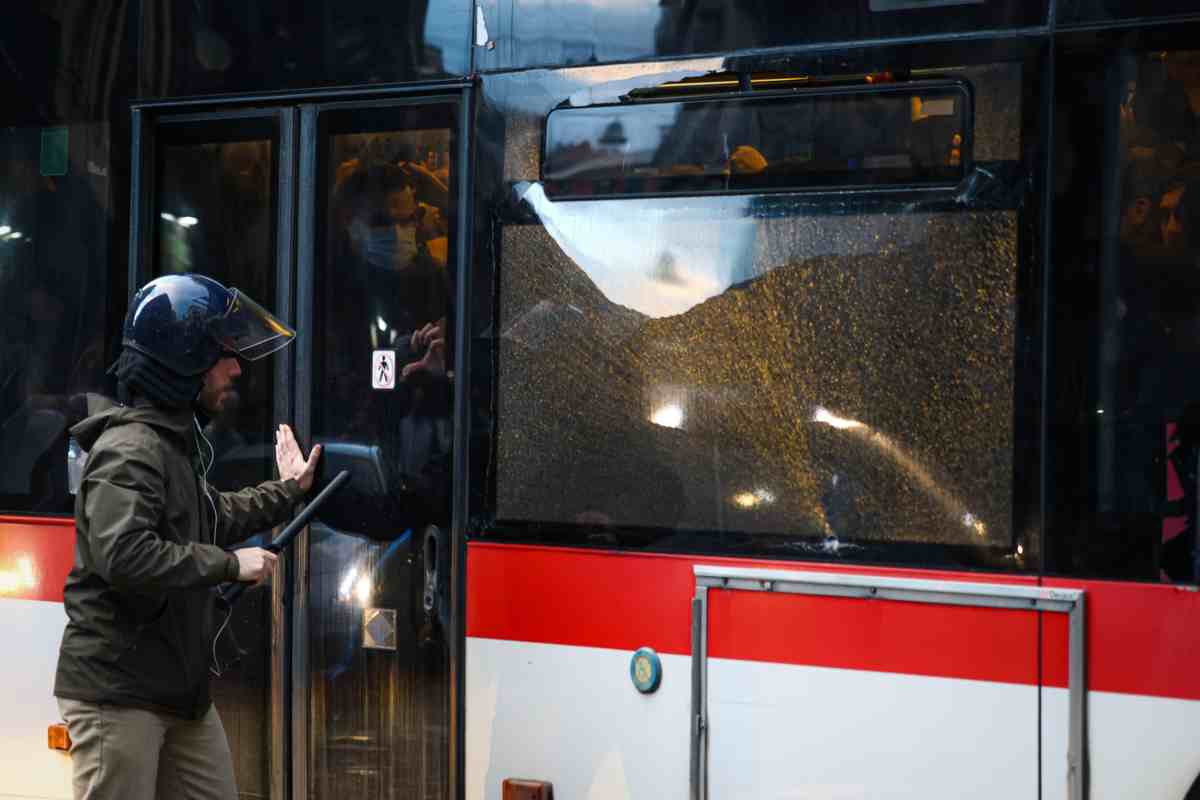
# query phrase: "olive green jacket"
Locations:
[[139, 598]]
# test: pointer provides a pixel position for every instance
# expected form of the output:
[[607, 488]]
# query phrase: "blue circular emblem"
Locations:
[[645, 670]]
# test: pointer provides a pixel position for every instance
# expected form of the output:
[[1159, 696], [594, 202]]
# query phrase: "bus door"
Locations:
[[377, 296], [343, 217], [212, 194]]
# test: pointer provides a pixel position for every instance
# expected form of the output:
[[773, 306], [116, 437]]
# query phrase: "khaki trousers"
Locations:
[[132, 754]]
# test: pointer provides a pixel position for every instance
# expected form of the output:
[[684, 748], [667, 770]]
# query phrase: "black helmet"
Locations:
[[186, 322]]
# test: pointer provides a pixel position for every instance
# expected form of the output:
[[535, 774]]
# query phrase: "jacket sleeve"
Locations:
[[124, 496], [242, 514]]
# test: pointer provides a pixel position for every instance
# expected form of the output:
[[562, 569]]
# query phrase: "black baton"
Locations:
[[231, 595]]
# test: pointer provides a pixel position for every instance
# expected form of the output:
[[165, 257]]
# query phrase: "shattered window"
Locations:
[[742, 365], [812, 373]]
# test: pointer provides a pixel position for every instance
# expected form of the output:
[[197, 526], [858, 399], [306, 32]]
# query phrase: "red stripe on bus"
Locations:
[[36, 553], [624, 601], [1142, 638], [590, 598], [985, 644]]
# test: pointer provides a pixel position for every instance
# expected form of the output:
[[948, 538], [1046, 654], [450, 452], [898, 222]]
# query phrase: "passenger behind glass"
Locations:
[[393, 293], [416, 201], [1157, 123], [393, 216], [1162, 359], [1139, 196], [1179, 210]]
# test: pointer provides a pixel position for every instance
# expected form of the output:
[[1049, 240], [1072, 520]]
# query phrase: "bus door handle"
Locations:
[[431, 553]]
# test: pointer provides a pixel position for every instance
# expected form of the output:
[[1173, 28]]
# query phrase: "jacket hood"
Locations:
[[105, 413]]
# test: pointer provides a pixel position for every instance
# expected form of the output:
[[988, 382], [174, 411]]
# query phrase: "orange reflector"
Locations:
[[521, 789], [57, 737]]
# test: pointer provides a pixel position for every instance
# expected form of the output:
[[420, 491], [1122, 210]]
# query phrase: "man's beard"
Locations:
[[212, 402]]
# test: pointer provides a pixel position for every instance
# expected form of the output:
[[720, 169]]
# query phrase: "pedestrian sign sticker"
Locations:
[[383, 369]]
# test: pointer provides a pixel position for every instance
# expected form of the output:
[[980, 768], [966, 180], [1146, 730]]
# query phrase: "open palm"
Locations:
[[290, 459]]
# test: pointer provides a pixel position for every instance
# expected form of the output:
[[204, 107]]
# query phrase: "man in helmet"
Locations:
[[150, 545]]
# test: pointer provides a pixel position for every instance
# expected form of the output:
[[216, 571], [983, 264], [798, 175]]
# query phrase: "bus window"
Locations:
[[54, 267], [858, 137], [216, 209], [214, 48], [1127, 411], [800, 375]]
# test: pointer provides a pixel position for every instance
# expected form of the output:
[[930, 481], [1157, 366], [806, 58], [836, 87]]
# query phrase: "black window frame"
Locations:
[[501, 204]]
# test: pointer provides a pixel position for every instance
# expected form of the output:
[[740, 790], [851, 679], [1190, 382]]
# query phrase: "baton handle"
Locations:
[[285, 537]]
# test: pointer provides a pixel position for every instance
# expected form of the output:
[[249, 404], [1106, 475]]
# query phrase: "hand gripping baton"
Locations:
[[285, 537]]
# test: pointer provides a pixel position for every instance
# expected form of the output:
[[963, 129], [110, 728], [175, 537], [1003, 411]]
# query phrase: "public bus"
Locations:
[[742, 399]]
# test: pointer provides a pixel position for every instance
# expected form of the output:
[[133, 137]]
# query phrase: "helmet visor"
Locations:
[[250, 330]]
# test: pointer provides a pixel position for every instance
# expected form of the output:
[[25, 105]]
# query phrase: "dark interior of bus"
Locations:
[[849, 295]]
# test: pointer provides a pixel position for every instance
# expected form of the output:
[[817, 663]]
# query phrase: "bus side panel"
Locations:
[[781, 730], [570, 715], [803, 690], [35, 557], [833, 697], [550, 634], [1144, 700]]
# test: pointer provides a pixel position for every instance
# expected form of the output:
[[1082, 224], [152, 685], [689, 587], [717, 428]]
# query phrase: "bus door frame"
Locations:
[[310, 143], [148, 121], [909, 590], [297, 114]]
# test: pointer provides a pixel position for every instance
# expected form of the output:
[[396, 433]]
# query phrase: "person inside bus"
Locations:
[[1160, 353], [1140, 194], [397, 296], [389, 220], [151, 543], [1157, 121], [416, 202]]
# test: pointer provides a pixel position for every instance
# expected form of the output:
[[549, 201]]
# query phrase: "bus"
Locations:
[[741, 399]]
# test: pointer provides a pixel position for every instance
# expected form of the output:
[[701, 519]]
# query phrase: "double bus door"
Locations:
[[343, 217]]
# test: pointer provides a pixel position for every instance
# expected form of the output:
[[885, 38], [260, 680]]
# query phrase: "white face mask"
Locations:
[[391, 247]]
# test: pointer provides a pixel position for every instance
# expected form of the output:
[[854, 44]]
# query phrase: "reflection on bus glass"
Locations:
[[876, 137], [54, 276], [216, 215], [709, 365], [536, 32], [1149, 431]]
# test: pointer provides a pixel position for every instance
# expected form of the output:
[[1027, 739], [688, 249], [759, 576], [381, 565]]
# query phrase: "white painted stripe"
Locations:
[[571, 716], [1138, 746], [30, 631], [784, 731]]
